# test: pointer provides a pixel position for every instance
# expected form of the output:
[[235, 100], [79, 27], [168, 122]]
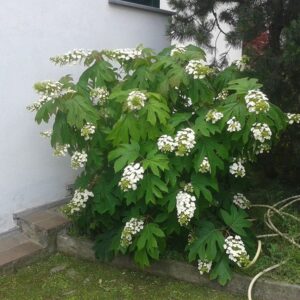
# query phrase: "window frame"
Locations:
[[141, 6], [154, 3]]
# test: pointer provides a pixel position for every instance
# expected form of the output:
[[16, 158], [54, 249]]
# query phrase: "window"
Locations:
[[153, 3]]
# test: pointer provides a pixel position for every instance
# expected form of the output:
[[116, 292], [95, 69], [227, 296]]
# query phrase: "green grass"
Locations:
[[276, 250], [85, 280]]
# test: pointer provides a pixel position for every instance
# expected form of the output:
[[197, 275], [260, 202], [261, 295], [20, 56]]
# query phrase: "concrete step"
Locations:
[[17, 250], [42, 226]]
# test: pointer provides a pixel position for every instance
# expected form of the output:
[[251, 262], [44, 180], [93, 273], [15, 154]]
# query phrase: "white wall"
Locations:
[[30, 32]]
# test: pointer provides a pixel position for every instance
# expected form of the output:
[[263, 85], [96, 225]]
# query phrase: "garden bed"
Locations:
[[264, 289]]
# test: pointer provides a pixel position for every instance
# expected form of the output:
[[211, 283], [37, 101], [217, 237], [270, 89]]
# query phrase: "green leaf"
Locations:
[[45, 112], [224, 77], [193, 52], [107, 244], [156, 109], [176, 75], [106, 195], [141, 258], [100, 73], [124, 154], [247, 129], [277, 117], [243, 85], [206, 129], [202, 183], [208, 242], [156, 161], [147, 238], [215, 151], [236, 219], [200, 92], [148, 244], [221, 271], [79, 111], [62, 132], [126, 127], [95, 159], [152, 187], [179, 118]]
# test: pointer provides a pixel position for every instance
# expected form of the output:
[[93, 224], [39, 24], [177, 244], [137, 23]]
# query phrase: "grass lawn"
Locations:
[[63, 277]]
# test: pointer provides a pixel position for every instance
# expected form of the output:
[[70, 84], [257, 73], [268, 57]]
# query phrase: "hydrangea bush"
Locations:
[[163, 142]]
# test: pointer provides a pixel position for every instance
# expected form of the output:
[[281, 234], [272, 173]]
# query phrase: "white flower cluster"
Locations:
[[204, 266], [261, 132], [126, 54], [213, 116], [233, 125], [257, 102], [79, 200], [177, 50], [236, 251], [132, 228], [88, 130], [46, 133], [241, 201], [262, 148], [222, 95], [188, 188], [241, 64], [185, 141], [186, 206], [49, 87], [78, 159], [237, 169], [187, 100], [136, 100], [35, 106], [197, 69], [99, 95], [166, 143], [49, 91], [205, 166], [72, 57], [293, 118], [132, 174], [61, 150]]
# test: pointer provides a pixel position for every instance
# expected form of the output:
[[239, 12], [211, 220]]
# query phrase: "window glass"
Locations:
[[153, 3]]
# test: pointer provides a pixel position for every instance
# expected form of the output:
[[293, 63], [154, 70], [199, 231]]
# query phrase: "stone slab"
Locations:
[[11, 240], [19, 255], [49, 206]]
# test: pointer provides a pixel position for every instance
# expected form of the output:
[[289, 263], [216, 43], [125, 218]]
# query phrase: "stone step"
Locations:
[[42, 226], [11, 239], [17, 250], [34, 238]]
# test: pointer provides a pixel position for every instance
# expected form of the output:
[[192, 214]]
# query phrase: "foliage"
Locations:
[[159, 161], [268, 33]]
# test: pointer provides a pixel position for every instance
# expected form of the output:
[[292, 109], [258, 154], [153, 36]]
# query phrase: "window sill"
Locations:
[[140, 6]]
